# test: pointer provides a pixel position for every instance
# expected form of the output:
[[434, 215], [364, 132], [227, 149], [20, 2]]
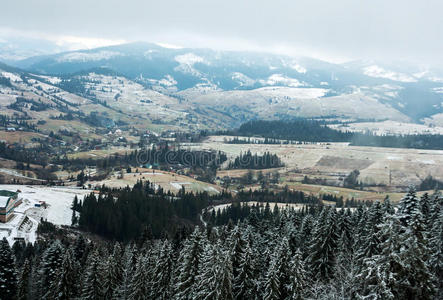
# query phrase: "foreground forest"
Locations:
[[371, 252]]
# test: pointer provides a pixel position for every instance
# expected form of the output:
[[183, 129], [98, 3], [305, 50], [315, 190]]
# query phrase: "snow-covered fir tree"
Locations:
[[8, 274], [319, 252], [92, 279]]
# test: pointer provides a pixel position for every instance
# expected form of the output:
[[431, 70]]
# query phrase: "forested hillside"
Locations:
[[373, 252], [306, 130]]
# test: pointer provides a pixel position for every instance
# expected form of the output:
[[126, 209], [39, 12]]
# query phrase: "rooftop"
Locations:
[[3, 201], [6, 193]]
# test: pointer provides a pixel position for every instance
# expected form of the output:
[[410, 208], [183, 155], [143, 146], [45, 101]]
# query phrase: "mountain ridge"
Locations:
[[191, 74]]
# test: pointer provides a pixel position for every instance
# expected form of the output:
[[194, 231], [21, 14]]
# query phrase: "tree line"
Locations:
[[306, 130]]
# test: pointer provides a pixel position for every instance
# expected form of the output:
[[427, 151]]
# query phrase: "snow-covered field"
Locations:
[[307, 102], [390, 166], [58, 211], [389, 127]]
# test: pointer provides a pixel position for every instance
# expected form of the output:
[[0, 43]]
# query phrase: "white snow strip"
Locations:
[[83, 57], [379, 72]]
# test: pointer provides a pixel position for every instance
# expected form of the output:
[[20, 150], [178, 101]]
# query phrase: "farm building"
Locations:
[[8, 201]]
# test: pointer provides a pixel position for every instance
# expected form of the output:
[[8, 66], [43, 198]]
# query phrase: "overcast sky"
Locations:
[[334, 30]]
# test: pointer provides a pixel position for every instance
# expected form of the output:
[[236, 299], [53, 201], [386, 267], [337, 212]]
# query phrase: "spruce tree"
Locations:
[[8, 275], [128, 264], [113, 272], [400, 270], [214, 280], [298, 277], [24, 284], [272, 283], [92, 284], [51, 262], [369, 243], [323, 246], [162, 279], [436, 244], [189, 264], [140, 281], [408, 207], [237, 245], [244, 285], [65, 287]]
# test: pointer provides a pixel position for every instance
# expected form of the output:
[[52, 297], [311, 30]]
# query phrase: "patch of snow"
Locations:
[[280, 79], [50, 79], [392, 94], [420, 74], [178, 185], [83, 57], [389, 128], [242, 79], [169, 46], [187, 62], [298, 68], [438, 90], [436, 79], [427, 161], [211, 189], [153, 174], [189, 59], [394, 158], [11, 76], [379, 72], [167, 81], [324, 83], [58, 210]]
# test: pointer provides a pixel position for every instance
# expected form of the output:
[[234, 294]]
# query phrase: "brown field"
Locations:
[[387, 166], [389, 171], [167, 180], [21, 137], [99, 153]]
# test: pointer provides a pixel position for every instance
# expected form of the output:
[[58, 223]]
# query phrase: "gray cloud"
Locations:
[[343, 29]]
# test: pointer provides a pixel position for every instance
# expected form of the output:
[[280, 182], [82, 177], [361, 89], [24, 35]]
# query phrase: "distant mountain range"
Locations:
[[248, 85]]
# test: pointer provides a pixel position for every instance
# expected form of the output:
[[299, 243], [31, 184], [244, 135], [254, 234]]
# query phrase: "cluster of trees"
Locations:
[[5, 81], [265, 141], [20, 122], [158, 156], [430, 183], [417, 141], [316, 131], [21, 102], [123, 214], [19, 153], [249, 161], [298, 130], [351, 181], [165, 155], [253, 177], [241, 210], [373, 252]]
